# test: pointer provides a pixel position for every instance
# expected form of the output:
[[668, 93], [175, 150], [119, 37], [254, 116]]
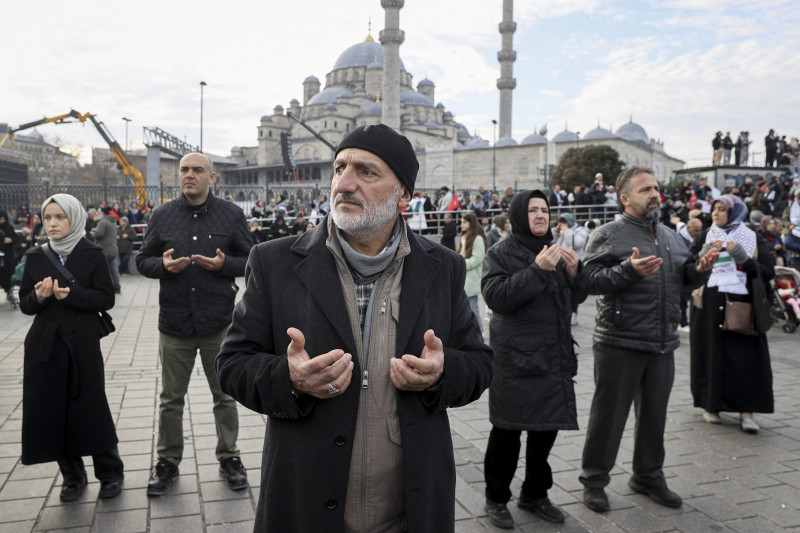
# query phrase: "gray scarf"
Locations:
[[364, 267]]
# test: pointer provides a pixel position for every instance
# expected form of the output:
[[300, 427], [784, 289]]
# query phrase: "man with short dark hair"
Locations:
[[196, 245], [716, 144], [635, 336], [354, 338]]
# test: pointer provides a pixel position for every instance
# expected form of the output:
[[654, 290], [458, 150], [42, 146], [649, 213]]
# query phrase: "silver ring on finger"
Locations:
[[331, 389]]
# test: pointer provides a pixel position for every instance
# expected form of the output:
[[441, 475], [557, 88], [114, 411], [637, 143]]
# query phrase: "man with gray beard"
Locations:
[[638, 268], [354, 338]]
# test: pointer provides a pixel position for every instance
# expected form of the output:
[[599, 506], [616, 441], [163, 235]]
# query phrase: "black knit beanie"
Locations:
[[395, 150]]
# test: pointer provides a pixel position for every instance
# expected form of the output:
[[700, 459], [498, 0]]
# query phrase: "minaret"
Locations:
[[506, 83], [391, 38]]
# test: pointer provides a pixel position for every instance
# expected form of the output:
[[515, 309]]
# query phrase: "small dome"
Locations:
[[447, 114], [330, 107], [534, 138], [266, 118], [311, 79], [294, 102], [431, 125], [463, 132], [565, 136], [634, 133], [598, 133], [330, 95], [361, 55], [425, 82], [505, 141], [440, 106], [372, 110], [410, 97], [476, 143], [236, 149], [278, 109], [360, 89]]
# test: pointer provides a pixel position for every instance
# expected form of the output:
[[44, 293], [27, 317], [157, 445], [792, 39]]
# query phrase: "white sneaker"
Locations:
[[574, 320], [749, 424], [684, 329], [711, 418]]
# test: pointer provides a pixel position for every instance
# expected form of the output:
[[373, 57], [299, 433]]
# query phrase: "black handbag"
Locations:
[[105, 323]]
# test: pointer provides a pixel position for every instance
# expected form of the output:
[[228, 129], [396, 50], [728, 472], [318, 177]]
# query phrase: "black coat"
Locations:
[[293, 282], [535, 360], [730, 371], [65, 412], [195, 300]]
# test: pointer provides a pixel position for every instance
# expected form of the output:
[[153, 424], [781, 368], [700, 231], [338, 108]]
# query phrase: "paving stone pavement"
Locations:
[[729, 480]]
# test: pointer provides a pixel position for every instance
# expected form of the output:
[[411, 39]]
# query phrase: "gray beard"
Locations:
[[652, 213], [371, 219]]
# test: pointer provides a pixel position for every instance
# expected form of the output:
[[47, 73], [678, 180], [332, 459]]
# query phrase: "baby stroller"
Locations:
[[785, 296]]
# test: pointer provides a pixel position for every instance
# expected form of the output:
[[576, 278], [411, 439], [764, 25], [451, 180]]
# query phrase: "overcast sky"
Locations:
[[682, 69]]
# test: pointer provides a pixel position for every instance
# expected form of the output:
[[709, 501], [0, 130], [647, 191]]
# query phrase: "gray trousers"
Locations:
[[623, 377], [177, 361]]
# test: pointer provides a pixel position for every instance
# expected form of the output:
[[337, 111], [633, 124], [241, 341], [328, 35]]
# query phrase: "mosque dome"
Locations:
[[476, 143], [534, 138], [634, 133], [425, 82], [266, 118], [431, 125], [362, 54], [598, 133], [360, 89], [565, 136], [372, 110], [311, 79], [330, 107], [330, 95], [410, 97], [505, 141]]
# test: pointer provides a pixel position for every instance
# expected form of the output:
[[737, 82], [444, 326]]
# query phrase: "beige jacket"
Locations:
[[376, 487]]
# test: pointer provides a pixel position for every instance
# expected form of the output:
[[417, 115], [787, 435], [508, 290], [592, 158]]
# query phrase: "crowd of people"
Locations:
[[356, 385], [778, 151]]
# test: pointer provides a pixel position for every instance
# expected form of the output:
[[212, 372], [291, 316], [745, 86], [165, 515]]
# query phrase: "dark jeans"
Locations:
[[623, 377], [124, 258], [107, 467], [502, 454]]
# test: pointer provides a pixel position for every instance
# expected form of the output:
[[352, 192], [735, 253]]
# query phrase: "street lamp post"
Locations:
[[126, 132], [202, 84], [494, 154]]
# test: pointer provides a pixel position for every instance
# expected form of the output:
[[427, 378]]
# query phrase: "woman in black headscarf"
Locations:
[[8, 239], [530, 286], [65, 412]]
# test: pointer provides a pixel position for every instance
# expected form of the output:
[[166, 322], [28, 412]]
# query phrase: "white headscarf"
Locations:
[[76, 215]]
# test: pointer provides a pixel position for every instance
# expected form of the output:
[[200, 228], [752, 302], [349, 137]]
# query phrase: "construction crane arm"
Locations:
[[330, 144]]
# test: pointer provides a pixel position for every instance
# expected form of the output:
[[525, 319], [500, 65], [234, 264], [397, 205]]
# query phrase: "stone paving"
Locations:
[[730, 481]]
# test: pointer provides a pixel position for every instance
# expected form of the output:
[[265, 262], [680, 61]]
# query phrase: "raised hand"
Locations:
[[174, 265], [312, 376], [212, 264], [548, 258], [646, 266], [414, 373]]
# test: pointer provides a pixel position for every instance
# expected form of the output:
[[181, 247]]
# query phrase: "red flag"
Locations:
[[453, 203]]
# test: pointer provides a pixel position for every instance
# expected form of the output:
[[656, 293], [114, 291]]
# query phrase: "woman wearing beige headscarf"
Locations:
[[65, 413]]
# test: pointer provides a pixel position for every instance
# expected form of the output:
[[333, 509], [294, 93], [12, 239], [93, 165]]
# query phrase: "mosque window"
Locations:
[[260, 134], [326, 124], [335, 124], [346, 126], [270, 133]]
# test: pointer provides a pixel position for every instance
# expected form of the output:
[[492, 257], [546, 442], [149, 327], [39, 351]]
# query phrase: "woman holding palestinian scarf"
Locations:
[[531, 286], [730, 371], [65, 412]]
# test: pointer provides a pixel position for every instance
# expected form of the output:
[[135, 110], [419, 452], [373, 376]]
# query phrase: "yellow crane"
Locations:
[[127, 168]]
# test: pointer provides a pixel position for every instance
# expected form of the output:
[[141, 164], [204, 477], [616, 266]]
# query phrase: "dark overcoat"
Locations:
[[65, 412], [730, 371], [293, 282], [534, 355]]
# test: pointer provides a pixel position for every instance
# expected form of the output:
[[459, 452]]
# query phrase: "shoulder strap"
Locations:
[[51, 255]]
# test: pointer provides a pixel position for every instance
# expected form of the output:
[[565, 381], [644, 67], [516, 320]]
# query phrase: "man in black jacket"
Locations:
[[635, 336], [196, 245]]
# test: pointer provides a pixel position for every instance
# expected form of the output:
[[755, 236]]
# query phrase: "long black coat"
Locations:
[[535, 360], [293, 282], [730, 372], [65, 412]]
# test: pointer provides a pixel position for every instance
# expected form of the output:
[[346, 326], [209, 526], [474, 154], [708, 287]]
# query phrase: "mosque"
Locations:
[[370, 84]]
